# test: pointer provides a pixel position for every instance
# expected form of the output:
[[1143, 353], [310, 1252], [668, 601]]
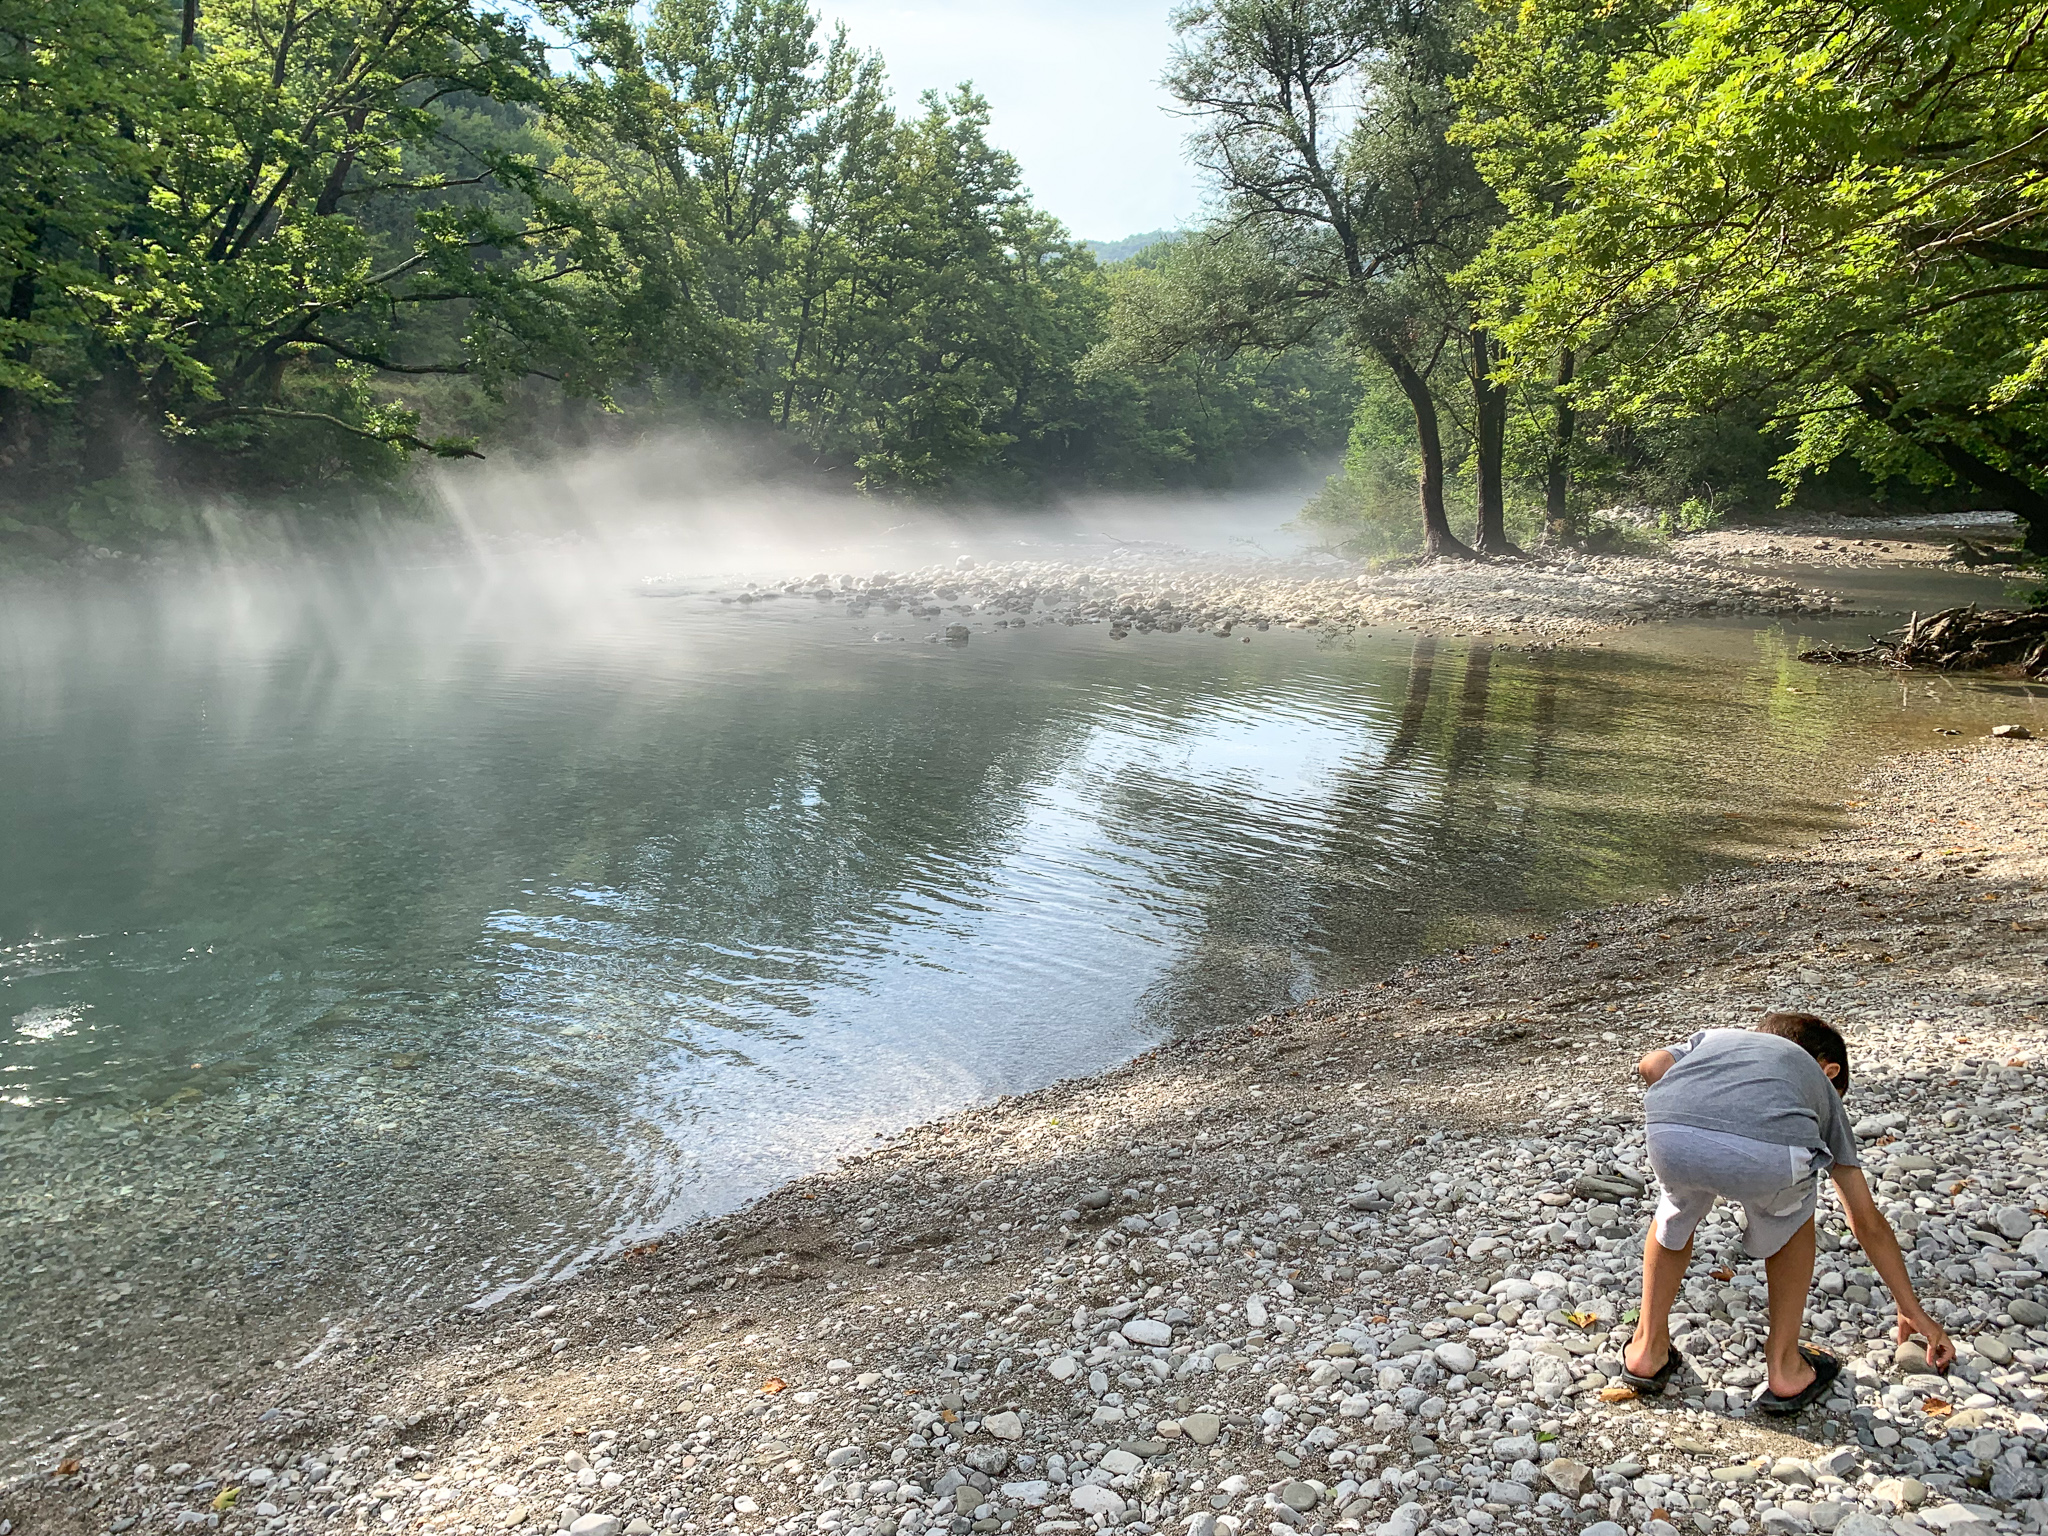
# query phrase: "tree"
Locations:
[[287, 189], [1839, 205], [77, 77], [1323, 126], [1538, 83], [278, 244], [1205, 411]]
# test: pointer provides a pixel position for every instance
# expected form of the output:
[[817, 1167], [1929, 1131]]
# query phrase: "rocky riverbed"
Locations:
[[1141, 589], [1364, 1266]]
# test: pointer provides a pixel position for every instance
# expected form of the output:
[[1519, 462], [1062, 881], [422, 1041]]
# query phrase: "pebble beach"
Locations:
[[1363, 1266], [1140, 589]]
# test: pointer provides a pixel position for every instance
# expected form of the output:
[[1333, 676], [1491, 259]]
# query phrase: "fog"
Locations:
[[545, 546], [702, 506]]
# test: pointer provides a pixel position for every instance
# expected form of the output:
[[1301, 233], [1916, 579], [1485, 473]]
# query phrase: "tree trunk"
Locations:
[[1490, 420], [1437, 537], [188, 26], [1564, 423]]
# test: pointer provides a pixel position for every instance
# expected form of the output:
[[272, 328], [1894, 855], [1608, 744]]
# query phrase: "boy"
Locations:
[[1754, 1116]]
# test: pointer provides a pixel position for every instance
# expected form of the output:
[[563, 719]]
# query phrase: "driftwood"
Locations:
[[1954, 640], [1975, 552]]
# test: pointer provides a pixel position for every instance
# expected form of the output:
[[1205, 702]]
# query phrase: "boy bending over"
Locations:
[[1754, 1117]]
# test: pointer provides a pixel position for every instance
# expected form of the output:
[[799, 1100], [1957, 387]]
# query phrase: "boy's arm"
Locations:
[[1655, 1065], [1874, 1235]]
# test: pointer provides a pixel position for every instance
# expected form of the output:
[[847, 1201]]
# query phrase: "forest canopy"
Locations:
[[1697, 255], [1519, 259], [271, 244]]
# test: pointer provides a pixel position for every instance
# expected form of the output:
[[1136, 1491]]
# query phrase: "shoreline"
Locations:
[[1354, 1262], [1545, 595]]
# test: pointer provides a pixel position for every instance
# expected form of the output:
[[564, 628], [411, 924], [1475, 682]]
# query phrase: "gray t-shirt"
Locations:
[[1764, 1087]]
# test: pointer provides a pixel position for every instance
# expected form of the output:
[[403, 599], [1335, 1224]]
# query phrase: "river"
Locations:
[[381, 939]]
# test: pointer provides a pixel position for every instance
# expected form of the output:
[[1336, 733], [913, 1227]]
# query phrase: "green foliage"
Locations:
[[1368, 508], [1833, 205], [1344, 208], [283, 189], [1696, 514], [279, 244]]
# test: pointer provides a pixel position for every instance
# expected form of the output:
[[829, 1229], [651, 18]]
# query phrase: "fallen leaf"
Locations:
[[67, 1466], [773, 1385], [1582, 1319], [1617, 1394], [1937, 1407], [949, 1416], [1724, 1273], [225, 1499]]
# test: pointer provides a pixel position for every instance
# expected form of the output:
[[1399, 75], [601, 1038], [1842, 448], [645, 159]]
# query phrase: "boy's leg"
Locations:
[[1663, 1273], [1789, 1274]]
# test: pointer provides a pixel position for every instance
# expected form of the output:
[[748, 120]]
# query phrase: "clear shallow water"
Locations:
[[373, 943]]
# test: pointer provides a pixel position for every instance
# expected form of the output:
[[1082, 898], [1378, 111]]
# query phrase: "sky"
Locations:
[[1073, 89]]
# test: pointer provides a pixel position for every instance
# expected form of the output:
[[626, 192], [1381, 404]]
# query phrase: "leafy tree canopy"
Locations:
[[1834, 204], [270, 243]]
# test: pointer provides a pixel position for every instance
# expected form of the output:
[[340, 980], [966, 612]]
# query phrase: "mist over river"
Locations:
[[378, 939]]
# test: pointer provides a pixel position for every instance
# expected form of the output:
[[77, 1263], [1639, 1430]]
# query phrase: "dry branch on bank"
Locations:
[[1978, 552], [1955, 640]]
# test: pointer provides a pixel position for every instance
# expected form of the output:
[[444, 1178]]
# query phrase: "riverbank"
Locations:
[[1541, 595], [1361, 1266], [1137, 589]]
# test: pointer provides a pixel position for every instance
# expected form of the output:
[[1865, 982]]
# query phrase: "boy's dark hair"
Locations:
[[1818, 1038]]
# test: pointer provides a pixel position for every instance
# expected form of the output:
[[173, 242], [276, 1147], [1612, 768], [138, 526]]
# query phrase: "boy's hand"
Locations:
[[1941, 1353]]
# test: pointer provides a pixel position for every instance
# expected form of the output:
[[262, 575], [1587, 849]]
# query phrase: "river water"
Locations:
[[375, 941]]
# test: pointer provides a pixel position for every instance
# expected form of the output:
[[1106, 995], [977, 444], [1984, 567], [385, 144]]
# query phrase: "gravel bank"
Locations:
[[1365, 1266], [1143, 589], [1924, 540], [1779, 546]]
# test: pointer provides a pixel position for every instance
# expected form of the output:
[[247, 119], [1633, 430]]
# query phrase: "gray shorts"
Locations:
[[1776, 1186]]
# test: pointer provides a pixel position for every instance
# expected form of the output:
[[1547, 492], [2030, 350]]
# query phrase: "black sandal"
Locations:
[[1658, 1380], [1825, 1369]]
